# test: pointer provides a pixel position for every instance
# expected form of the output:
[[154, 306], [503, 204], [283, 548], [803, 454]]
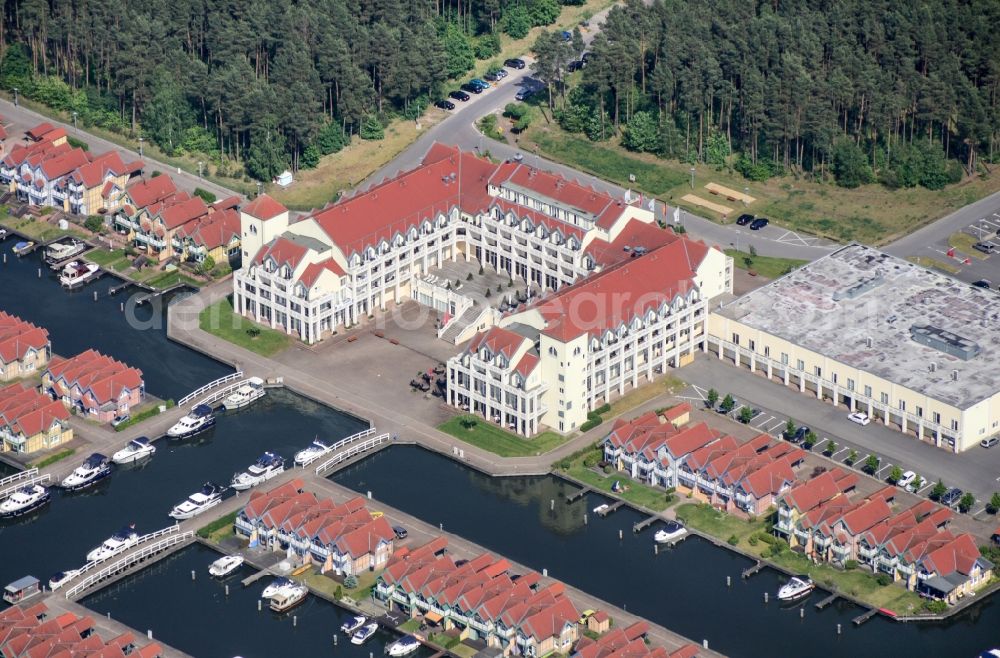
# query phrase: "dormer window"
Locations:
[[501, 361], [286, 272], [269, 266]]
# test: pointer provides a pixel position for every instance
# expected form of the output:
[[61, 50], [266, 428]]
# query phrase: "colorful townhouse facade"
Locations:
[[24, 347], [97, 186], [31, 421], [34, 631], [96, 385]]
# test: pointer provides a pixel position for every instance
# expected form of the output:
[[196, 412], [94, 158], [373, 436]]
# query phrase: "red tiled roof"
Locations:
[[568, 193], [313, 270], [37, 132], [148, 192], [690, 439], [64, 163], [821, 488], [282, 251], [674, 413], [958, 554], [264, 207], [18, 336], [769, 479], [100, 379], [93, 173], [866, 516], [498, 340], [635, 234], [214, 230], [182, 212], [526, 364]]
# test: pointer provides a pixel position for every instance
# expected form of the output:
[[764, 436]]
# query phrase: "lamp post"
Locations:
[[692, 177], [200, 163], [141, 140], [15, 96], [74, 121], [746, 196]]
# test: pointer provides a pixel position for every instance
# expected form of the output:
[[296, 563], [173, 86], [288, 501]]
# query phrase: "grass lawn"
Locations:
[[218, 529], [38, 230], [963, 242], [108, 258], [768, 266], [409, 625], [486, 435], [636, 493], [711, 521], [663, 385], [464, 650], [164, 280], [220, 320], [934, 263], [871, 213]]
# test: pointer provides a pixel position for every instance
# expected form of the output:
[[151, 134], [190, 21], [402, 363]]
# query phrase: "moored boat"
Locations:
[[796, 588], [403, 646], [225, 565], [600, 508], [198, 420], [117, 543], [289, 598], [277, 585], [353, 624], [269, 465], [316, 449], [250, 391], [59, 252], [138, 448], [24, 247], [24, 501], [93, 470], [364, 633], [76, 273], [208, 497], [60, 578], [671, 531]]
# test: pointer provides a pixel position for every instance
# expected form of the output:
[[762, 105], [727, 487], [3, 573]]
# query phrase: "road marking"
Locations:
[[879, 471], [927, 486], [760, 422], [842, 450]]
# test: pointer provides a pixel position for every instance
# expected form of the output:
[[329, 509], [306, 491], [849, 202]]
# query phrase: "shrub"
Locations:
[[994, 505], [733, 540], [938, 491], [207, 265], [591, 460], [351, 581], [712, 397], [753, 541], [850, 565], [156, 172], [936, 607], [883, 579], [467, 423], [603, 409], [78, 143], [205, 195], [372, 128], [590, 424], [338, 593], [253, 332], [831, 447], [966, 503], [94, 223]]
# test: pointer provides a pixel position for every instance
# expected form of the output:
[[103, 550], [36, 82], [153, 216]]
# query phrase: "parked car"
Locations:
[[514, 63], [492, 76], [744, 219], [479, 83], [399, 531], [120, 420], [471, 88], [951, 497], [445, 105], [990, 442], [459, 95], [758, 223], [983, 283], [800, 435], [860, 418], [906, 480], [985, 247], [523, 95]]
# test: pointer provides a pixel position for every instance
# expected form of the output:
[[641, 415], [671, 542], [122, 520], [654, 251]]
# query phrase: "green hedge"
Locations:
[[603, 409], [139, 417], [591, 424], [205, 531]]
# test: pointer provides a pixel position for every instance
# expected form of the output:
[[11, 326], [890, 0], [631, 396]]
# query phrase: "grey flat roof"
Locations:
[[861, 307], [305, 241]]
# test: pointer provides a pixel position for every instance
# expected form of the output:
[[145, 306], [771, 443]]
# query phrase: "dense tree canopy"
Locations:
[[255, 82], [907, 91]]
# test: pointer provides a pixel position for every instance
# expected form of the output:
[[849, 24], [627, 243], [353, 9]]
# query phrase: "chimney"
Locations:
[[933, 367], [869, 342], [954, 375]]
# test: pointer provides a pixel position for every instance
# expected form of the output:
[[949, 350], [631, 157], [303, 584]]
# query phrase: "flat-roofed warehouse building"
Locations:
[[910, 347]]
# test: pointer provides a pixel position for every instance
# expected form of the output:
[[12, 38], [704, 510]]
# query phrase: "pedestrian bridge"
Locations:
[[351, 450], [339, 445], [213, 388], [26, 478]]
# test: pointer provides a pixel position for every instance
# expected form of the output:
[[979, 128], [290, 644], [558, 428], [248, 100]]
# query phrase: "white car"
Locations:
[[859, 418], [907, 479]]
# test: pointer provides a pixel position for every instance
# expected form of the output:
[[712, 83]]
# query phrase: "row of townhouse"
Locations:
[[628, 642], [657, 449], [351, 258], [97, 386], [163, 222], [345, 538], [48, 171], [482, 599], [913, 546], [31, 421], [24, 347], [32, 632]]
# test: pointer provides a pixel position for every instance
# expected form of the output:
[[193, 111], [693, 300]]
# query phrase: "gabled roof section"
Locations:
[[498, 340], [283, 251], [264, 207], [147, 192]]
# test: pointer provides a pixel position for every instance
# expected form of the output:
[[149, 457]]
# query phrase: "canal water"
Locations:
[[683, 589], [197, 617], [59, 536], [75, 322]]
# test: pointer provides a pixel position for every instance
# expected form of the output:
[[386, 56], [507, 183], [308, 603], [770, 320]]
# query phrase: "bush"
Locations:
[[205, 195], [487, 46], [733, 540], [831, 447], [603, 409], [338, 593], [77, 143], [207, 265], [936, 607], [516, 22], [372, 128], [850, 164], [753, 541], [590, 424], [850, 565], [883, 579], [351, 581], [592, 459], [94, 223]]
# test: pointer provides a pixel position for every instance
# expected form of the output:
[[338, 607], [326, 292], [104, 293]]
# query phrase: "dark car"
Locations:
[[492, 76], [523, 95], [744, 219], [951, 497], [758, 223], [471, 88], [459, 95], [445, 105], [800, 435], [399, 531], [482, 84], [982, 283], [514, 63]]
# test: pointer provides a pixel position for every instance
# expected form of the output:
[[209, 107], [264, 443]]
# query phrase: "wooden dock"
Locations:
[[250, 580], [578, 494], [860, 619], [827, 601], [752, 570], [642, 525], [611, 508]]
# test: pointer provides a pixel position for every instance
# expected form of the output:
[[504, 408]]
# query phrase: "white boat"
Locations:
[[364, 633], [671, 531], [117, 543], [138, 448], [209, 496], [403, 646], [288, 598], [24, 500], [601, 508], [316, 449], [95, 469], [200, 419], [353, 624], [225, 565], [268, 466], [57, 252], [23, 248], [277, 585], [62, 577], [251, 391], [796, 588], [76, 273]]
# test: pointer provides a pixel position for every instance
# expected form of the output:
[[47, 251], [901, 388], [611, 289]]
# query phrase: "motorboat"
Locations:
[[23, 248], [249, 392], [225, 565], [117, 543], [403, 646], [289, 597], [278, 584], [24, 501], [93, 470], [316, 449], [601, 508], [364, 633], [76, 273], [200, 419], [671, 531], [58, 252], [796, 588], [209, 496], [353, 624], [60, 578], [138, 448], [269, 465]]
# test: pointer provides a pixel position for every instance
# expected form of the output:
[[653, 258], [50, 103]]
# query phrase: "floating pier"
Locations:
[[611, 508], [752, 570], [827, 601], [578, 494], [860, 619], [642, 525], [250, 580]]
